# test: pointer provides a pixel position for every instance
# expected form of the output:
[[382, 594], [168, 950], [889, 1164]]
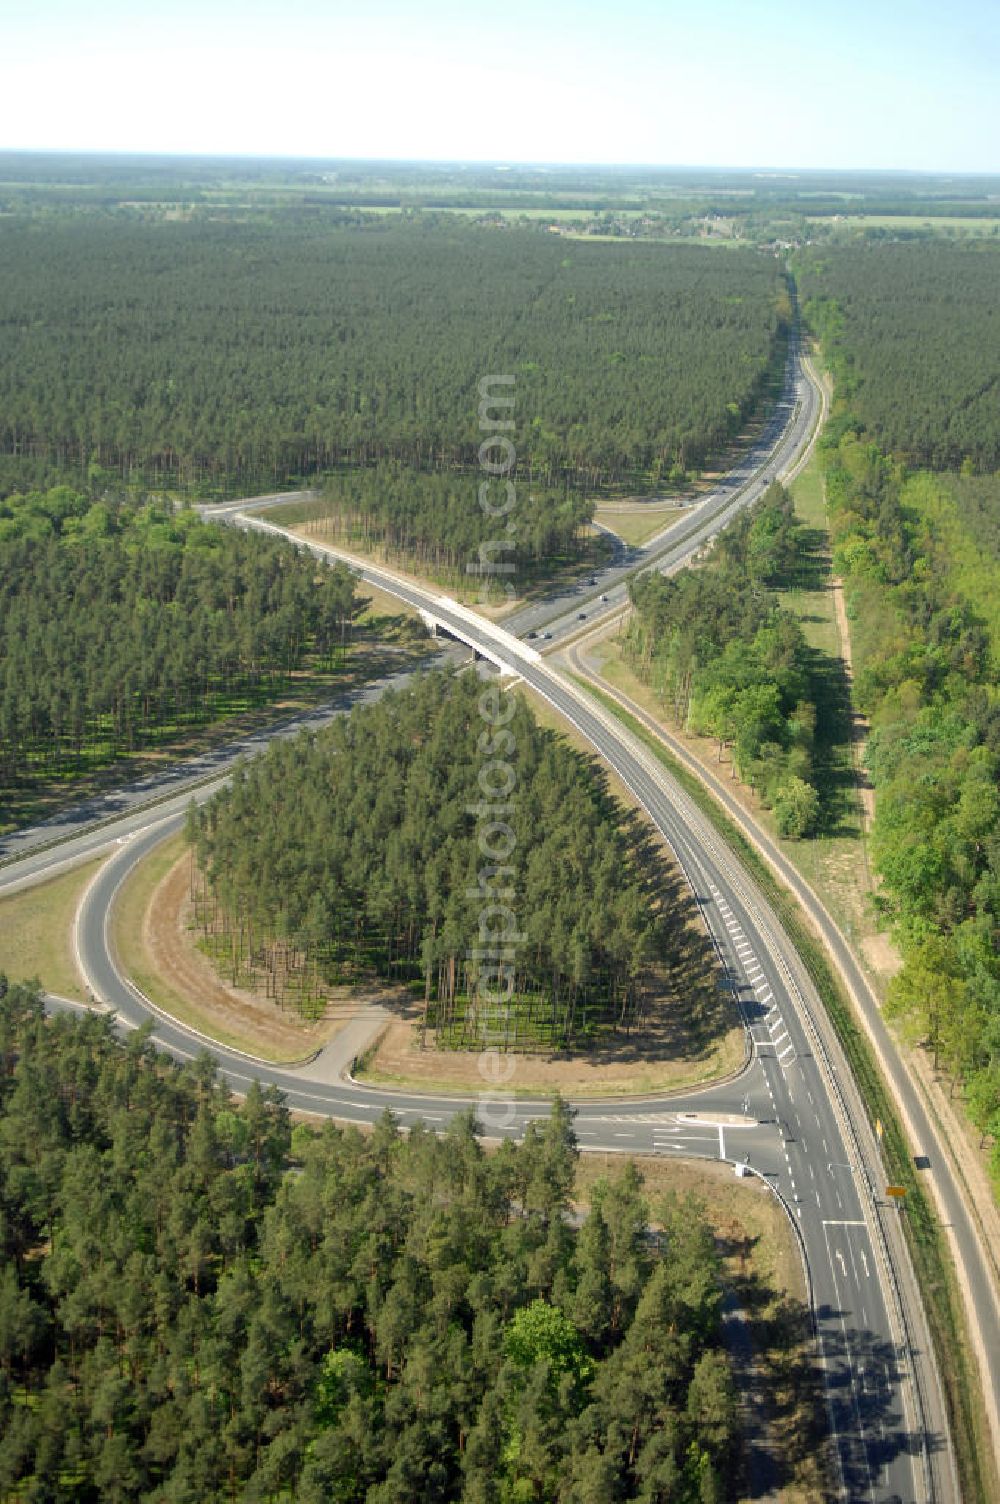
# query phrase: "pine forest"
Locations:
[[198, 1302], [125, 626], [355, 851], [219, 358]]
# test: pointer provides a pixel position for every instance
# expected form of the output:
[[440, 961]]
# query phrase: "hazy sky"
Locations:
[[850, 83]]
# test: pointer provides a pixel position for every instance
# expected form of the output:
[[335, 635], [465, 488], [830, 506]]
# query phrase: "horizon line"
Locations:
[[498, 163]]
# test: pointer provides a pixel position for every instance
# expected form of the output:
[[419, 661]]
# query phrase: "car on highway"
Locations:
[[582, 616]]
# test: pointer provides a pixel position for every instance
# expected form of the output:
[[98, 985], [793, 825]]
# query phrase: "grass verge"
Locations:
[[635, 525], [573, 1081], [36, 932], [931, 1259], [128, 923]]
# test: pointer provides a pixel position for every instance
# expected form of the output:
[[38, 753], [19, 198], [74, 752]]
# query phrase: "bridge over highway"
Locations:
[[802, 1124]]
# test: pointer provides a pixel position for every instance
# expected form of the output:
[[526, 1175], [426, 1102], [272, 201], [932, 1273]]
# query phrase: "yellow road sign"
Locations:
[[895, 1190]]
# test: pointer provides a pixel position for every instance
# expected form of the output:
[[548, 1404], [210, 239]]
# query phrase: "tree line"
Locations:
[[912, 334], [197, 1302], [436, 520], [123, 626], [355, 850], [728, 662], [924, 593], [219, 357]]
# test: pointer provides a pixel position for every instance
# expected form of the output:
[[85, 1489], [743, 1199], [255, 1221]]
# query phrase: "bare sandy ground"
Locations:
[[661, 1056], [169, 938], [657, 1058]]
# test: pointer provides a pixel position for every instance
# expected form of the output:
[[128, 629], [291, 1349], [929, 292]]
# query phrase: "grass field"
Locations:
[[641, 522], [36, 932], [554, 215], [944, 224]]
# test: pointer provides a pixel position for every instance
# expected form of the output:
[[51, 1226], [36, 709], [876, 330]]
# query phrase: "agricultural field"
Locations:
[[926, 223]]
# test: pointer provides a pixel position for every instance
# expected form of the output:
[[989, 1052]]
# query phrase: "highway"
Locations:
[[783, 1114], [793, 1113], [776, 450], [950, 1196], [783, 439]]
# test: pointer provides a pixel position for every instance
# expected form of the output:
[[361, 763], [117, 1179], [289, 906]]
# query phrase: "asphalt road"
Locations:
[[558, 616], [793, 1113], [782, 1114], [783, 438], [950, 1199]]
